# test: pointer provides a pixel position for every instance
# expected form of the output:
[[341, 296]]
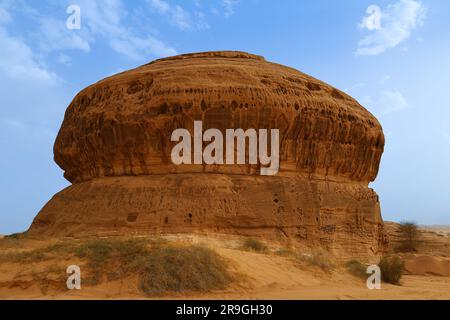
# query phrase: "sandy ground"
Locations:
[[278, 278], [258, 276]]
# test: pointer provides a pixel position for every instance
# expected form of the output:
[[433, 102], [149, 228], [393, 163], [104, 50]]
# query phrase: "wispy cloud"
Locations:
[[394, 26], [64, 59], [392, 101], [177, 15], [5, 17], [30, 92], [54, 36], [386, 102], [201, 22], [135, 47], [101, 20], [384, 79], [180, 17], [17, 60], [228, 6]]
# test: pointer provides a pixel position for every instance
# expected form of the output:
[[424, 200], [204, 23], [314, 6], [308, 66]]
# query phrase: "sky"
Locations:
[[393, 56]]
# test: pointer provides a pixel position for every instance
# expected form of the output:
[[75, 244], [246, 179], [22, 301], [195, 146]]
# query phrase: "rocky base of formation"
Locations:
[[343, 218]]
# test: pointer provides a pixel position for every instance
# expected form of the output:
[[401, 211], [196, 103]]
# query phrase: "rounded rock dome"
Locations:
[[121, 126]]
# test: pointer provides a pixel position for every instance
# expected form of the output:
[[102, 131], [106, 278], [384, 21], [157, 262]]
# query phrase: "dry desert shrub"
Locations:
[[409, 237], [357, 268], [255, 245], [183, 269], [285, 252], [162, 268], [318, 258], [392, 268]]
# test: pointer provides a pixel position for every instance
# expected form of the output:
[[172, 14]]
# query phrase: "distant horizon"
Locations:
[[397, 68]]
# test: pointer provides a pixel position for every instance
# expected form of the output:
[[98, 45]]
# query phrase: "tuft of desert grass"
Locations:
[[255, 245], [357, 268], [285, 252], [318, 258], [182, 269]]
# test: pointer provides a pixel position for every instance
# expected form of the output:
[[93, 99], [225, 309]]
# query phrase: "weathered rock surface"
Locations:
[[114, 146]]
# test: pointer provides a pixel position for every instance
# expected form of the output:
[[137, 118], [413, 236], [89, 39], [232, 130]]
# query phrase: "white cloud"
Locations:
[[18, 62], [385, 103], [64, 59], [25, 81], [228, 6], [373, 20], [385, 79], [55, 36], [101, 20], [161, 6], [397, 22], [179, 17], [105, 18], [133, 47], [366, 101], [201, 21], [392, 101], [4, 16]]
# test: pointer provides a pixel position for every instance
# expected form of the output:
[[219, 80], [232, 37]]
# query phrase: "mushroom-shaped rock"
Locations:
[[115, 147]]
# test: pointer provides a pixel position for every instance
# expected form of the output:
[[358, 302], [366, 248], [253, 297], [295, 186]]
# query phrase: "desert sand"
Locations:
[[258, 276]]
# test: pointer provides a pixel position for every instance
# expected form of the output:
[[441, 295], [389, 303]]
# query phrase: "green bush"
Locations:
[[255, 245], [392, 269]]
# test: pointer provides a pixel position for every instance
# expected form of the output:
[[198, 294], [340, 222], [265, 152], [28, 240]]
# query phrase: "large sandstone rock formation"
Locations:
[[114, 146]]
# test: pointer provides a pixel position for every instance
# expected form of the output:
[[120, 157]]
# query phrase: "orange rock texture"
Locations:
[[115, 147]]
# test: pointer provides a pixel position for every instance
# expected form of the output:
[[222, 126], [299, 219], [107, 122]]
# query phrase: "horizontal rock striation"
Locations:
[[114, 146]]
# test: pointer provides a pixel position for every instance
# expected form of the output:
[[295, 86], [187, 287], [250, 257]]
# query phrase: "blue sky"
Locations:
[[395, 61]]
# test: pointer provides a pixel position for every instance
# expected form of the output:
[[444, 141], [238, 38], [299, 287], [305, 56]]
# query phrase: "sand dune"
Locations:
[[427, 265]]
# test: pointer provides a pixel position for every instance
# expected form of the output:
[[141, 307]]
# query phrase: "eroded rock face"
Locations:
[[114, 146]]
